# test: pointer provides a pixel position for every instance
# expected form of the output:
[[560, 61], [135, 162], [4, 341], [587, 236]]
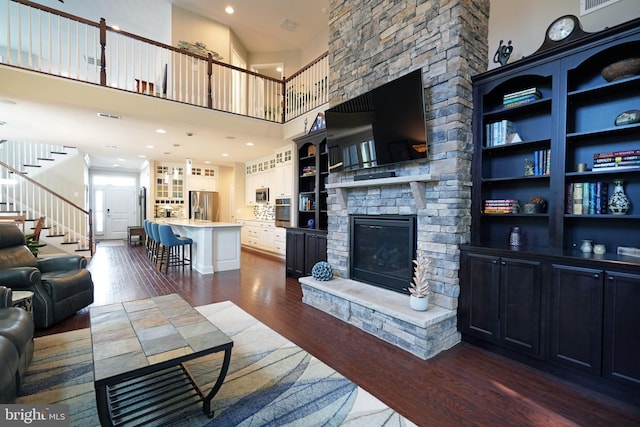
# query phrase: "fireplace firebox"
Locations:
[[381, 250]]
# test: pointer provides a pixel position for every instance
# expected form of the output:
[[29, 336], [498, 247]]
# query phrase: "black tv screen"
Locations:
[[383, 126]]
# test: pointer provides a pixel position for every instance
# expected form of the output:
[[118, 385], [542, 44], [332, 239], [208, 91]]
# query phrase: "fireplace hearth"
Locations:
[[381, 250]]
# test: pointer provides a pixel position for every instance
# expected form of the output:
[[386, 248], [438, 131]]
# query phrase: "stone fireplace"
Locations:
[[369, 45]]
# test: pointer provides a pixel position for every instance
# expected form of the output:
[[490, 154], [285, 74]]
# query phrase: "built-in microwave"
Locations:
[[262, 195]]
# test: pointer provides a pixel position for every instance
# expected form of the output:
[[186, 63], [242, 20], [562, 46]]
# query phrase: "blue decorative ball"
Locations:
[[322, 271]]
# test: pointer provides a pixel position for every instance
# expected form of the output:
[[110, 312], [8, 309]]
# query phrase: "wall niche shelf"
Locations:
[[417, 183]]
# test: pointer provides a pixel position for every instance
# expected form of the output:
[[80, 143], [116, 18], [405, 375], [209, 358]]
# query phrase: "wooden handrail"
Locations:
[[306, 67], [45, 188]]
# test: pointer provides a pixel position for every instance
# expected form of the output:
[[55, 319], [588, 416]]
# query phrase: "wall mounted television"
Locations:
[[383, 126]]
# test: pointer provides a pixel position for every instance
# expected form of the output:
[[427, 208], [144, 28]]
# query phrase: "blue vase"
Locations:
[[311, 223]]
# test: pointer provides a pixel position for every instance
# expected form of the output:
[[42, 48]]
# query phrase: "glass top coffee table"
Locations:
[[138, 352]]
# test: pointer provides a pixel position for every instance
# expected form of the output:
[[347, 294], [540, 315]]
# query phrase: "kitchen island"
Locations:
[[216, 245]]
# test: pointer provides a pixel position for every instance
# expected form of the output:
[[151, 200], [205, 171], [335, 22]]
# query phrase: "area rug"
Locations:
[[270, 382]]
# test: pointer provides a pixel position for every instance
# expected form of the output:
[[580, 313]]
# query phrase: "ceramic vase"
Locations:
[[418, 304], [586, 246], [515, 238], [619, 203]]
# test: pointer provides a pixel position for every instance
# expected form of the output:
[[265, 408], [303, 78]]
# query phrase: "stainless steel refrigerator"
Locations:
[[204, 205]]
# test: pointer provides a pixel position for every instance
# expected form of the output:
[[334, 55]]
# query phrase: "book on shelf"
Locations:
[[613, 154], [500, 206], [498, 133], [541, 163], [521, 97], [623, 164], [587, 198]]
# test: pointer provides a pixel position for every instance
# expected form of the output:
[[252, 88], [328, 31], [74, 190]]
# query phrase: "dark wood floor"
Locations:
[[465, 385]]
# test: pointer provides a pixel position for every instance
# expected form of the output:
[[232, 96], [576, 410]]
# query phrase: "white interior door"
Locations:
[[120, 210]]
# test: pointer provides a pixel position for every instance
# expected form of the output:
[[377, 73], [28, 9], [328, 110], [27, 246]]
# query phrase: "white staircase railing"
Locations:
[[66, 223]]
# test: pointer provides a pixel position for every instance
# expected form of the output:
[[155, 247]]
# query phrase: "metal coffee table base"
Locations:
[[155, 397]]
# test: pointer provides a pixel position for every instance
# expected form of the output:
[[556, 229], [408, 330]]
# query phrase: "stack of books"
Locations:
[[497, 133], [308, 170], [616, 160], [500, 206], [587, 198], [521, 97]]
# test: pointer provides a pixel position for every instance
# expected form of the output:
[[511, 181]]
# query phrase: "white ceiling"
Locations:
[[45, 109]]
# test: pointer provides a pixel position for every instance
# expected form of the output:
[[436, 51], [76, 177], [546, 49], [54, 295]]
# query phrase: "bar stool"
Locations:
[[157, 244], [174, 246], [148, 242]]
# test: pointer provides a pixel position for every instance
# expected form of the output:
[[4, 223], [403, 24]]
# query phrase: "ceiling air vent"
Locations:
[[109, 116], [588, 6]]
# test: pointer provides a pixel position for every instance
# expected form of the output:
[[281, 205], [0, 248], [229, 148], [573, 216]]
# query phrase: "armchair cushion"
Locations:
[[17, 326], [62, 263], [9, 359], [61, 285]]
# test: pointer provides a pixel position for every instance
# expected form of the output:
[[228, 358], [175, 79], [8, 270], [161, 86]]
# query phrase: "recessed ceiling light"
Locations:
[[249, 144], [121, 160], [208, 162], [161, 131], [225, 155], [142, 156], [149, 146], [229, 10], [279, 69], [115, 165]]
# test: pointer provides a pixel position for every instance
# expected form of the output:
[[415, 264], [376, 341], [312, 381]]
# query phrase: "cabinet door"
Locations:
[[621, 351], [295, 253], [520, 302], [479, 296], [316, 250], [576, 317]]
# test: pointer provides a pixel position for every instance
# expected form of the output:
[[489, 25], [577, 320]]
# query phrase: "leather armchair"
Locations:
[[61, 285], [16, 346]]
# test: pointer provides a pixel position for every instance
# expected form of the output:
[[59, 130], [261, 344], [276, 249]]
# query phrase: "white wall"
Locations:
[[525, 22]]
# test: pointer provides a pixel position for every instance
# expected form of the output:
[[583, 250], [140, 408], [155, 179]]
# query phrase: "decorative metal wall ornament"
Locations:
[[503, 53]]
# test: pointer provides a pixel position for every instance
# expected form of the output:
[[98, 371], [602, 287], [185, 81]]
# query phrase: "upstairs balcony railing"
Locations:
[[49, 41]]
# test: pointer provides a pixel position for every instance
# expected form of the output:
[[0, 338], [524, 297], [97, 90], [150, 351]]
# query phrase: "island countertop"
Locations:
[[216, 245], [199, 223]]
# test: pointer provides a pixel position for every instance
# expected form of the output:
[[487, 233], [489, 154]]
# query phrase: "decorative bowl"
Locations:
[[533, 208], [622, 69]]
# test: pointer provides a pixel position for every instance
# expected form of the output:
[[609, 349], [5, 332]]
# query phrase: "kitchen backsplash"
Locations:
[[265, 212]]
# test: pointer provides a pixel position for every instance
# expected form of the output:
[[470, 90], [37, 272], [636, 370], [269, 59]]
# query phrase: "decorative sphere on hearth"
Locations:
[[322, 271]]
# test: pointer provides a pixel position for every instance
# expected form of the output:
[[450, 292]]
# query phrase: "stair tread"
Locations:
[[58, 152], [32, 166], [46, 158]]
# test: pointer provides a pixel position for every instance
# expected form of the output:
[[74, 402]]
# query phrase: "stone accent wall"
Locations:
[[372, 42]]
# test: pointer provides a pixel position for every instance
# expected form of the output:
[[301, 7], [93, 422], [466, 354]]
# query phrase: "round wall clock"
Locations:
[[560, 31]]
